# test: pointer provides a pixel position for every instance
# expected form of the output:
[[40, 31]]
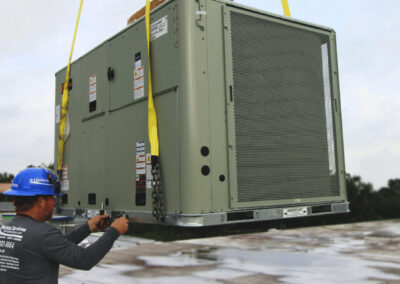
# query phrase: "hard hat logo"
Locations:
[[39, 181]]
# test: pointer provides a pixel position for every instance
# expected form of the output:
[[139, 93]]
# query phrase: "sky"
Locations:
[[36, 41]]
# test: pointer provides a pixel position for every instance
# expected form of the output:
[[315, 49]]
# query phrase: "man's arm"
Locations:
[[60, 250], [80, 233]]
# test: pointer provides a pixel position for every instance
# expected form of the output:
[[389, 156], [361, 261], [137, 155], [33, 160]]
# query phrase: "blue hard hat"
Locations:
[[33, 181]]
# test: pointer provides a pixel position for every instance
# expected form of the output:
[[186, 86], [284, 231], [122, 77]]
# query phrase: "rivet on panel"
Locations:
[[205, 170], [205, 151]]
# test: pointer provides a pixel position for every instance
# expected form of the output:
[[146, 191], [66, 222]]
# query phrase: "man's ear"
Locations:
[[41, 202]]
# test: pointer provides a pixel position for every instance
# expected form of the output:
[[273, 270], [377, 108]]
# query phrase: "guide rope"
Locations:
[[157, 194], [64, 101]]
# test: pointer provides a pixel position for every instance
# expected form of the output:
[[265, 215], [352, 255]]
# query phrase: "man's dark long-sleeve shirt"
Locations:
[[30, 251]]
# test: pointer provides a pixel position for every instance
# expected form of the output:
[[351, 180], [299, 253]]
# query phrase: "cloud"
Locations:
[[36, 41], [36, 44], [372, 139]]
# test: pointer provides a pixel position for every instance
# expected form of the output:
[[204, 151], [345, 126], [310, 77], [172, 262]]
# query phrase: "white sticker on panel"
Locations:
[[138, 63], [159, 28], [58, 113], [149, 176], [64, 180], [294, 212], [92, 88]]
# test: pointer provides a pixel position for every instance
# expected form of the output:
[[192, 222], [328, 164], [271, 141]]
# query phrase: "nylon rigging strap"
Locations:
[[285, 6], [64, 101]]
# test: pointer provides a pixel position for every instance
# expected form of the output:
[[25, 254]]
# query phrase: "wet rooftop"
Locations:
[[357, 253]]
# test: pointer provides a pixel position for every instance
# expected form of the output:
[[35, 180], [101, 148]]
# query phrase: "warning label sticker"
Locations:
[[140, 165], [138, 78], [159, 28], [92, 88]]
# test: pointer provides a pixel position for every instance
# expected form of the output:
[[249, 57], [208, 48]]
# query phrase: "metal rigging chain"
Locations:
[[157, 194]]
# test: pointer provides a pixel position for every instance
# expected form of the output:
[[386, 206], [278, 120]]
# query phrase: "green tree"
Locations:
[[361, 197], [6, 177], [387, 201]]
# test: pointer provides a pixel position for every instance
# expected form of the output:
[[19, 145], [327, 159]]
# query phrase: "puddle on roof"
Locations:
[[226, 264], [318, 256], [299, 267]]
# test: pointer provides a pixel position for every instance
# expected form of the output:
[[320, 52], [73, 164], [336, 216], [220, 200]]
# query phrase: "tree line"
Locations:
[[8, 178]]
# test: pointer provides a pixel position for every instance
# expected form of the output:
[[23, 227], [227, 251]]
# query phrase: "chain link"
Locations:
[[157, 194]]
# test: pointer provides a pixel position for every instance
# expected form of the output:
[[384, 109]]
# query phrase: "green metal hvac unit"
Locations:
[[248, 113]]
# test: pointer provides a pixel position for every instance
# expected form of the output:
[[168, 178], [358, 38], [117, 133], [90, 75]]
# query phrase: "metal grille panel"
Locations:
[[285, 146]]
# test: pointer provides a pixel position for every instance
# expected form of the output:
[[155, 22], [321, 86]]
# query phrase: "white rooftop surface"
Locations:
[[351, 253]]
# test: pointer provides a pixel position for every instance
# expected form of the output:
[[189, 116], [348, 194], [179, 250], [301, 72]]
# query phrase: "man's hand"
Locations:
[[121, 224], [97, 222]]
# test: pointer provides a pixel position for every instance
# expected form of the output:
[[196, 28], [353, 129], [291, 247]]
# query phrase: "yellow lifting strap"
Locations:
[[151, 111], [285, 6], [64, 101]]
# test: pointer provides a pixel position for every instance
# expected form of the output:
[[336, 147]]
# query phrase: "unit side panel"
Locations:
[[164, 49], [90, 157], [167, 114], [127, 58], [127, 122], [125, 128], [121, 52], [217, 105], [93, 95], [193, 102]]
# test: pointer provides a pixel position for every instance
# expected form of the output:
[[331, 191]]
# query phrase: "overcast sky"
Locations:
[[36, 38]]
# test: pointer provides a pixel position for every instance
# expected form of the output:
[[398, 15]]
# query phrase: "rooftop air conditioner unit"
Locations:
[[248, 113]]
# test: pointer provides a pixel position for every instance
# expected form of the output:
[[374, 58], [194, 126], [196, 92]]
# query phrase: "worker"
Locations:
[[31, 250]]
